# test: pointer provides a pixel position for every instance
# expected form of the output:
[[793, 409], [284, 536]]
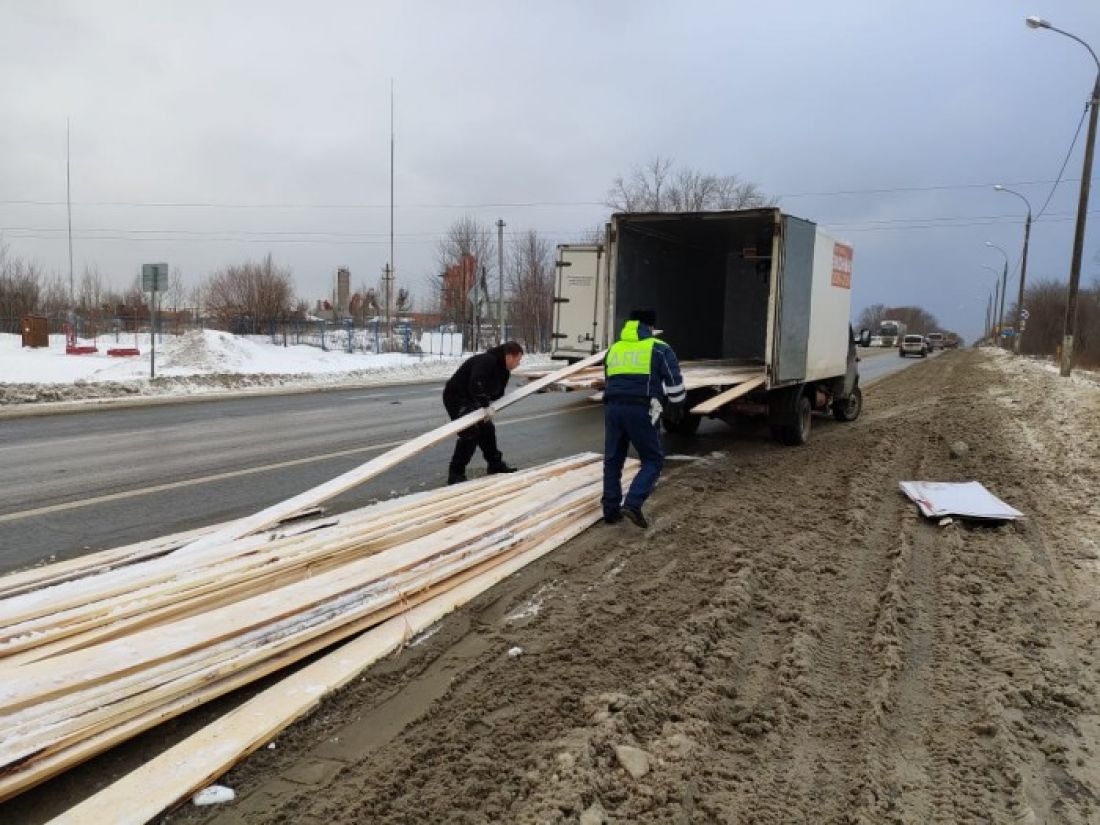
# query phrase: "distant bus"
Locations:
[[889, 334]]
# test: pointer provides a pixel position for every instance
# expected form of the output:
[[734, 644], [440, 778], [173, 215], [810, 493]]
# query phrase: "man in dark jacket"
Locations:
[[478, 383], [642, 377]]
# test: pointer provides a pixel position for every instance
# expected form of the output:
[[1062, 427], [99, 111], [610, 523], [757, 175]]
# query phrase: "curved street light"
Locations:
[[993, 325], [1023, 269], [1082, 203], [1004, 287]]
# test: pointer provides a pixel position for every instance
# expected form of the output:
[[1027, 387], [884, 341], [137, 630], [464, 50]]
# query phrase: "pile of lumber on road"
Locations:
[[97, 650]]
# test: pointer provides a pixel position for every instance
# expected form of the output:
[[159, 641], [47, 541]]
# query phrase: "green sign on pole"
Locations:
[[154, 279]]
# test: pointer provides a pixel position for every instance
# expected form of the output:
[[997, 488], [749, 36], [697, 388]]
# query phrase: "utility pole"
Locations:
[[988, 313], [477, 302], [1004, 289], [387, 292], [500, 268], [1023, 267], [1020, 300], [1082, 202], [69, 209], [1079, 234], [1001, 314], [391, 266], [996, 331]]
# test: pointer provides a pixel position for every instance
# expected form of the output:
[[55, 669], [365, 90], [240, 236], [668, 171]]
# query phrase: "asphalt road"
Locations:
[[89, 481]]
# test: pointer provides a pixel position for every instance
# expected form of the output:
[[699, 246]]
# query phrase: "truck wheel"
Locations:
[[789, 416], [687, 425], [848, 409]]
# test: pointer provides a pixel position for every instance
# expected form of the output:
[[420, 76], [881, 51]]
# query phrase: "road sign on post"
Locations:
[[154, 279]]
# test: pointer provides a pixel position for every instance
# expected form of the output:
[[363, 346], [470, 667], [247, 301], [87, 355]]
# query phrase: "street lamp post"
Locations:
[[1004, 287], [1023, 269], [994, 325], [1082, 203]]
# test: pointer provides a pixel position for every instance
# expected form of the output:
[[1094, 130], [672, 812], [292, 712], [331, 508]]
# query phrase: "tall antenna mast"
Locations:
[[69, 209], [393, 266]]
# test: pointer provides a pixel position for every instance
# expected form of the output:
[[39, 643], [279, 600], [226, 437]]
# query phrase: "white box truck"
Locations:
[[755, 302], [580, 302]]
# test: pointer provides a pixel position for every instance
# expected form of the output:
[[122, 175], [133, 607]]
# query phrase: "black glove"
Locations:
[[674, 413]]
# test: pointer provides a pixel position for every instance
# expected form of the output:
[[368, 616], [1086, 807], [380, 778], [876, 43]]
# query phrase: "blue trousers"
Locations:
[[626, 424]]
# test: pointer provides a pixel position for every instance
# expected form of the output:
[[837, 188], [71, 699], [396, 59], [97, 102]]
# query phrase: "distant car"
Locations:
[[913, 345], [936, 340]]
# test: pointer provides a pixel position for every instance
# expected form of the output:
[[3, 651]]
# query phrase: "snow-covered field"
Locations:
[[199, 362]]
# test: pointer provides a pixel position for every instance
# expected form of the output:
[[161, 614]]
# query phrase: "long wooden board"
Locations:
[[36, 682], [696, 375], [170, 592], [311, 498], [712, 404], [50, 762], [193, 763], [66, 729], [53, 763]]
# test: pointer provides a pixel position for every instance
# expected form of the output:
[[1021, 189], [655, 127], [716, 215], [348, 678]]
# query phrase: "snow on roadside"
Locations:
[[201, 362], [1089, 379]]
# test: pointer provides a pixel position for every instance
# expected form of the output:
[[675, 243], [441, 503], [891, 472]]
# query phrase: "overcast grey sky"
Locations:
[[275, 116]]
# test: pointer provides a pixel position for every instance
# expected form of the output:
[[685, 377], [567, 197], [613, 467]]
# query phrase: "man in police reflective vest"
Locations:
[[642, 378]]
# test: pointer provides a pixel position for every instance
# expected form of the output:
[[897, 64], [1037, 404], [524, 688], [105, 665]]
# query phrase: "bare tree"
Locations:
[[872, 316], [173, 296], [250, 295], [20, 289], [916, 319], [465, 256], [91, 290], [641, 191], [54, 300], [1046, 305], [531, 280], [655, 187]]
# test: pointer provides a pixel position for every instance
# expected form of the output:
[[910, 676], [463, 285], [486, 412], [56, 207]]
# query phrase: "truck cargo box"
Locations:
[[753, 286]]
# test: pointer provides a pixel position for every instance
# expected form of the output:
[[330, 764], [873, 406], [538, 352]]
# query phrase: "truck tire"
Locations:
[[789, 416], [687, 425], [848, 409]]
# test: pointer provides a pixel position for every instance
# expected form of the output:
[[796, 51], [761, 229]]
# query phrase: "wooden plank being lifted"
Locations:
[[712, 404], [311, 498]]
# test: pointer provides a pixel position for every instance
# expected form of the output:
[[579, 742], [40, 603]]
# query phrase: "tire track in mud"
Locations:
[[788, 643]]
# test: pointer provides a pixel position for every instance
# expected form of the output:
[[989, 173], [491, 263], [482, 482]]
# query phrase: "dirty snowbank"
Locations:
[[200, 363]]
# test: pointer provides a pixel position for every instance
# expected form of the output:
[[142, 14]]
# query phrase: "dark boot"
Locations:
[[499, 467], [456, 475], [635, 515]]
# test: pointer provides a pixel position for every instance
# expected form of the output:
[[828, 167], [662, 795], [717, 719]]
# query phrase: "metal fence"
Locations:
[[441, 341]]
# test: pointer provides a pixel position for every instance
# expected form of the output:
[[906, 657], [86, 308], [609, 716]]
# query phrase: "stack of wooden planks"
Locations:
[[96, 650]]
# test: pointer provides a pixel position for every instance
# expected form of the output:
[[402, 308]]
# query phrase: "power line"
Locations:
[[214, 205], [1076, 135], [493, 204]]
